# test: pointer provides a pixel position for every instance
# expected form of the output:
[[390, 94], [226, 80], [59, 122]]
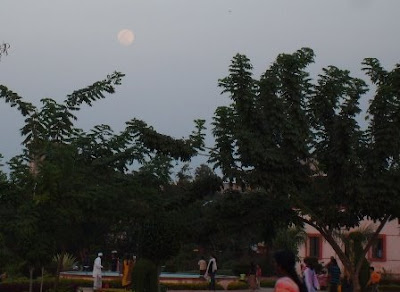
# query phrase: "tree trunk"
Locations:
[[59, 268], [354, 277], [41, 280], [356, 283], [352, 267], [30, 278]]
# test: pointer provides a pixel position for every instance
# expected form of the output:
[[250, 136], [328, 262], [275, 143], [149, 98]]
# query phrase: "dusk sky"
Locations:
[[180, 50]]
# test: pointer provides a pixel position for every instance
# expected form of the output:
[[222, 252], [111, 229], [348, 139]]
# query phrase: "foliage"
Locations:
[[68, 261], [4, 47], [237, 220], [289, 238], [70, 190], [267, 283], [240, 268], [159, 238]]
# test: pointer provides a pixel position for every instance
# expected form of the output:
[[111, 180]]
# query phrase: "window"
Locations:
[[315, 246], [378, 249]]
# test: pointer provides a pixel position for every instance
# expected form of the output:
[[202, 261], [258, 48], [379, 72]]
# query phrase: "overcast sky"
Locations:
[[181, 49]]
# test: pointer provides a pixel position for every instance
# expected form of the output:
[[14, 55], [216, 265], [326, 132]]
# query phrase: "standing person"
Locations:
[[202, 266], [252, 276], [374, 280], [327, 266], [310, 277], [334, 275], [114, 261], [211, 271], [258, 276], [288, 280], [127, 267], [97, 281]]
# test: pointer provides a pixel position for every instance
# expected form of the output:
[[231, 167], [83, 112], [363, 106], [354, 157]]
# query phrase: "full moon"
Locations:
[[126, 37]]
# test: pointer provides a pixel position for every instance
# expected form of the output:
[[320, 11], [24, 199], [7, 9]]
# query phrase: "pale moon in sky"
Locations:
[[126, 37]]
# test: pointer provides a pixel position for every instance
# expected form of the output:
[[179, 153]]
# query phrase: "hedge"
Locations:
[[238, 285], [389, 288], [267, 283], [191, 286], [65, 285]]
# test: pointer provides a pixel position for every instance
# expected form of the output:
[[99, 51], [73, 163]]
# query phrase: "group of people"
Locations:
[[127, 267], [285, 261], [208, 270], [254, 276], [289, 281]]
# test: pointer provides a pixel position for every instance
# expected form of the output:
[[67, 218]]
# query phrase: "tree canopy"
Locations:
[[299, 140], [70, 190]]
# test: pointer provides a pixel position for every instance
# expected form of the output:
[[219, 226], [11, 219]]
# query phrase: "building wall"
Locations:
[[388, 260]]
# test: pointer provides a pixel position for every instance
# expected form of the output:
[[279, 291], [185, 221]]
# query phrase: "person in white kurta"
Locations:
[[97, 283], [211, 271]]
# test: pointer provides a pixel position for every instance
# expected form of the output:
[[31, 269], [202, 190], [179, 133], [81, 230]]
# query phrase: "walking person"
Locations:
[[252, 277], [288, 280], [258, 276], [97, 276], [127, 267], [310, 277], [211, 271], [374, 280]]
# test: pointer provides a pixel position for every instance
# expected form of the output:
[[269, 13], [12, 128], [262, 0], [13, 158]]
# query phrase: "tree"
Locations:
[[61, 163], [4, 47], [300, 141], [290, 238]]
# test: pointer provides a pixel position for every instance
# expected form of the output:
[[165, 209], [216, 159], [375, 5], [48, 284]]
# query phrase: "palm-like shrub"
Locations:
[[68, 261]]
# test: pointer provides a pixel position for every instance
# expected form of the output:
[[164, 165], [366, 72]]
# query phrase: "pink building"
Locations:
[[384, 254]]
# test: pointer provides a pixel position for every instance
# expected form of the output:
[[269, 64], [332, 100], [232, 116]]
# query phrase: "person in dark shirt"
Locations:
[[334, 275]]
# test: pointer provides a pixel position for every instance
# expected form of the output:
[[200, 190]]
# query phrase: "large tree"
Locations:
[[301, 141]]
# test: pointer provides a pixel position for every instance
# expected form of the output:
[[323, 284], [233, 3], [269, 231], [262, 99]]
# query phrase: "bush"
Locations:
[[191, 286], [170, 267], [240, 268], [238, 285], [163, 288], [145, 276], [267, 283], [389, 288], [65, 285], [23, 285]]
